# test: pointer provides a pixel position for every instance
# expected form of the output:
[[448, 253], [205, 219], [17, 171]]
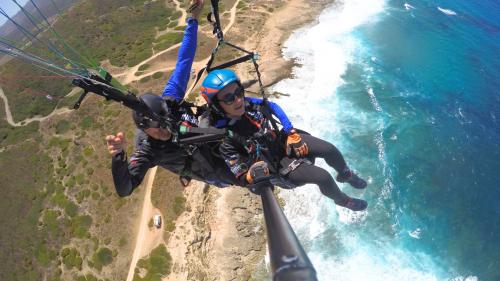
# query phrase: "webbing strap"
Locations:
[[294, 165], [215, 12], [231, 63]]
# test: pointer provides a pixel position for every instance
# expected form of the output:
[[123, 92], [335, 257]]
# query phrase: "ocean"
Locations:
[[409, 91]]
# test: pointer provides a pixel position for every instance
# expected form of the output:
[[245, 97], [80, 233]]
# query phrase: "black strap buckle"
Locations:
[[294, 165]]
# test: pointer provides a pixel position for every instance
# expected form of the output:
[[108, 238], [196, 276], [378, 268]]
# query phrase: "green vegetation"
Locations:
[[168, 198], [50, 220], [145, 79], [144, 67], [86, 122], [62, 127], [80, 225], [71, 258], [165, 41], [157, 265], [102, 257], [87, 277], [12, 135], [122, 31], [44, 256], [158, 75], [179, 205]]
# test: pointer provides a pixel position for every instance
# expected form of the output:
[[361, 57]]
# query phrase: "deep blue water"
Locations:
[[417, 112]]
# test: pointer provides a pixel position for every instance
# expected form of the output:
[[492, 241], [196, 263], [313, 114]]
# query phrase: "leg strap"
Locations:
[[294, 165]]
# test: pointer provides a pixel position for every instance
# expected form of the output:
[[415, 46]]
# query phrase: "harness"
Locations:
[[294, 165]]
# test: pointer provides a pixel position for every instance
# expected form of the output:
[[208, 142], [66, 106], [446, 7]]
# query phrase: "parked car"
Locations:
[[157, 221]]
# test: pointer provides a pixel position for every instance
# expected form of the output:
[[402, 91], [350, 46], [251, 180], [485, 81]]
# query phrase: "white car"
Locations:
[[157, 221]]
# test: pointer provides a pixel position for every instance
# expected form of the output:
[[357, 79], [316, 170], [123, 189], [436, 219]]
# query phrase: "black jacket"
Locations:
[[202, 165]]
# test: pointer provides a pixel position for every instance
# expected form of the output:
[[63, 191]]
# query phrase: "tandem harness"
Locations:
[[294, 165]]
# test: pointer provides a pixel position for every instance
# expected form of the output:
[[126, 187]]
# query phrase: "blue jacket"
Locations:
[[176, 86]]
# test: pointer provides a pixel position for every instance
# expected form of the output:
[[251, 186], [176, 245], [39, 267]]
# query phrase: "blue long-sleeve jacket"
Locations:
[[177, 84]]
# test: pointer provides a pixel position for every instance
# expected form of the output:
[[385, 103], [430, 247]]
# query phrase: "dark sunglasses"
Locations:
[[152, 123], [229, 98]]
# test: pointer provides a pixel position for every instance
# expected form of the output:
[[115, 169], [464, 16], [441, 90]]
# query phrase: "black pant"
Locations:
[[305, 174]]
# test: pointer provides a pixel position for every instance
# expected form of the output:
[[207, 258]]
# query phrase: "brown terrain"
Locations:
[[221, 234]]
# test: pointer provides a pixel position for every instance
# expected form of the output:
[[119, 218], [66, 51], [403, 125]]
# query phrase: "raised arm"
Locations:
[[177, 84]]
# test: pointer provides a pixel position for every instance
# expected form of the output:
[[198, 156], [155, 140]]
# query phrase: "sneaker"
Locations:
[[353, 204], [353, 179], [185, 180]]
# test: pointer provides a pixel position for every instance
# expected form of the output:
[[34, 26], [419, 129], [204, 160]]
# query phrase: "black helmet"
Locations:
[[157, 105]]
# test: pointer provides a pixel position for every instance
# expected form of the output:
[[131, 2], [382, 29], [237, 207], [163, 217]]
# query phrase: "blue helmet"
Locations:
[[215, 81]]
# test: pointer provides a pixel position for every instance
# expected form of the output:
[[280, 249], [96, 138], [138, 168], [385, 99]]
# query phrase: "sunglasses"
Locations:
[[152, 123], [229, 98]]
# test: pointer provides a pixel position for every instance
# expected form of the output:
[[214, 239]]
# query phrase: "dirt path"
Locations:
[[25, 122], [178, 8], [147, 239], [130, 75]]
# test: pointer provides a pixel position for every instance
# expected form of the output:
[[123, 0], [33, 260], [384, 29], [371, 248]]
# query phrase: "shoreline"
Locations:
[[268, 42]]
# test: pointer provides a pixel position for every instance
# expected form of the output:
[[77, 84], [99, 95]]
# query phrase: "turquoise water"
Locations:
[[410, 93]]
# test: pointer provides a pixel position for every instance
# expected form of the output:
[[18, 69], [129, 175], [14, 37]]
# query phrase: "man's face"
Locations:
[[158, 133], [231, 99]]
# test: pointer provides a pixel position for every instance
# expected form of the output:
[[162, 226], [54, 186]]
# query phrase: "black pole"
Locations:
[[289, 261]]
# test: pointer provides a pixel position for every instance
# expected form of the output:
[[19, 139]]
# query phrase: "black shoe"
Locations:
[[185, 180], [353, 204], [352, 179]]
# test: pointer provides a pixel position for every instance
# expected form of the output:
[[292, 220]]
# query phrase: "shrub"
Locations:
[[179, 205], [62, 126], [71, 258], [145, 79], [158, 75], [80, 225], [157, 265], [102, 257], [88, 151], [71, 209], [86, 122], [144, 67], [50, 220]]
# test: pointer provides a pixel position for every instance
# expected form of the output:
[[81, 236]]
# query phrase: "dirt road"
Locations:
[[147, 239]]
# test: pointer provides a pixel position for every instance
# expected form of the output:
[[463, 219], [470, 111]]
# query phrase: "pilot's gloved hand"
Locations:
[[196, 8], [295, 145], [257, 172]]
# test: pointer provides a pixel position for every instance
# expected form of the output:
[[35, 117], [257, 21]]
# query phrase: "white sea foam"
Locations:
[[408, 6], [374, 100], [447, 11], [415, 233], [464, 278]]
